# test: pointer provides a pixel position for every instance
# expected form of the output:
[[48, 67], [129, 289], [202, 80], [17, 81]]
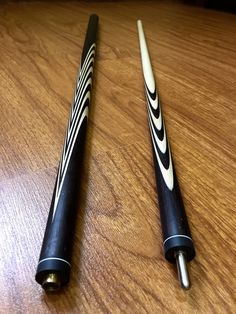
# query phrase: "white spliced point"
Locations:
[[167, 174], [77, 116]]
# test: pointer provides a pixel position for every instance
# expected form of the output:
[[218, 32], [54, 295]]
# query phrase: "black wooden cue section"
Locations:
[[54, 266]]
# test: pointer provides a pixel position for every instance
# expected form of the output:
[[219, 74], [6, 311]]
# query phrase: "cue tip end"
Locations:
[[139, 22]]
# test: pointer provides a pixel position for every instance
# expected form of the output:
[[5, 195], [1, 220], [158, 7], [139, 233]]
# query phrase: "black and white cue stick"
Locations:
[[53, 269], [178, 244]]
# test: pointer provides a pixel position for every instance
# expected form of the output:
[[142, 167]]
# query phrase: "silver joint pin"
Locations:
[[182, 270]]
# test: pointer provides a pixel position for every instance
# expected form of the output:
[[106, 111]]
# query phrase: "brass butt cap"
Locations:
[[51, 282]]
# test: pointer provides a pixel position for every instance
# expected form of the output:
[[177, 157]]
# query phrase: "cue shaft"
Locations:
[[54, 265], [177, 240]]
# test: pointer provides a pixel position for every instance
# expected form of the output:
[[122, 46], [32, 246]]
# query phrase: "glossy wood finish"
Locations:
[[118, 264]]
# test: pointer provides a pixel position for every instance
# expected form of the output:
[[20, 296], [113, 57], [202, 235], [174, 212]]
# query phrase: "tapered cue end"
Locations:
[[182, 270], [139, 24]]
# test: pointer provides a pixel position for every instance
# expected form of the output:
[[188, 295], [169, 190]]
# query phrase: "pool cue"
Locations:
[[54, 266], [177, 241]]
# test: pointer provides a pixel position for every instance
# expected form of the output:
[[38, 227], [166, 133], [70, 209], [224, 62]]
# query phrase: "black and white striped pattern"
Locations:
[[159, 139], [79, 112], [156, 122]]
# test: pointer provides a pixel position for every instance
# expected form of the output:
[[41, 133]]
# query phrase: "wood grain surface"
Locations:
[[118, 263]]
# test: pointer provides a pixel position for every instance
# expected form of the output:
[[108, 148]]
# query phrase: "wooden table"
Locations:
[[118, 263]]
